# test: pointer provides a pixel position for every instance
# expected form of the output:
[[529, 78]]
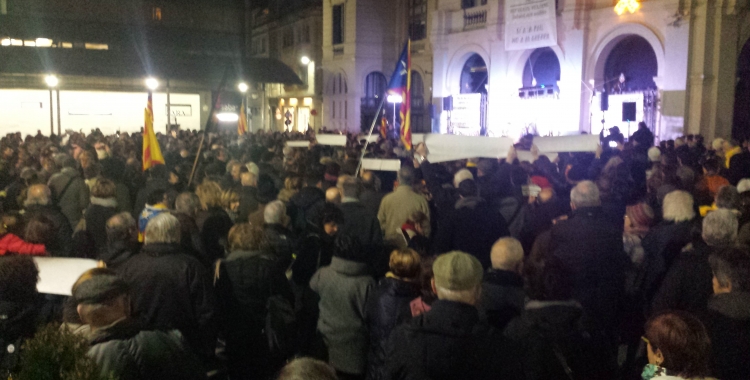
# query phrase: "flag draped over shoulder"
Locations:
[[242, 122], [151, 150], [400, 84]]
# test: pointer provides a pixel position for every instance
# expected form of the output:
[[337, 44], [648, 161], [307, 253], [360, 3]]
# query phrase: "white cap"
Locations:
[[461, 176], [252, 168], [743, 185], [654, 154]]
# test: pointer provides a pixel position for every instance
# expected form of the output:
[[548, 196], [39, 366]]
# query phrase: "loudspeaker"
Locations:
[[605, 101], [628, 111], [448, 103]]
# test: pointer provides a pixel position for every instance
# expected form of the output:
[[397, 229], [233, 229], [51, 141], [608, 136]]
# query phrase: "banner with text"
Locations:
[[466, 117], [530, 24]]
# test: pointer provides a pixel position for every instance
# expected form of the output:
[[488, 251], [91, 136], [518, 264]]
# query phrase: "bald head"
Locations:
[[507, 254], [333, 195], [38, 195]]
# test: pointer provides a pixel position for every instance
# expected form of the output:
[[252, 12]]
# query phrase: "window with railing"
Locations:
[[472, 3], [338, 24], [417, 19], [288, 39]]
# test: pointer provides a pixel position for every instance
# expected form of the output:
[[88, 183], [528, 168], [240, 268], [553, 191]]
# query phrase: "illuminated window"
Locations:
[[91, 46], [156, 13], [14, 42], [66, 45], [5, 42], [29, 43], [43, 42]]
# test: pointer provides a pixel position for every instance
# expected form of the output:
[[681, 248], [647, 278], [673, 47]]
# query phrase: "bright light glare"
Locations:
[[305, 60], [243, 87], [51, 80], [629, 5], [227, 116], [395, 98], [43, 42], [152, 83], [5, 42]]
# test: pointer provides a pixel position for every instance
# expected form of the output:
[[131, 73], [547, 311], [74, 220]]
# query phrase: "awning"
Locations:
[[117, 64]]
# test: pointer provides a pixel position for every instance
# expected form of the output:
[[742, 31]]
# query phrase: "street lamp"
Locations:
[[52, 82], [242, 87], [305, 60], [152, 84], [394, 98]]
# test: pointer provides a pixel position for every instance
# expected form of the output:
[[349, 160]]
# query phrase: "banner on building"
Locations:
[[530, 24]]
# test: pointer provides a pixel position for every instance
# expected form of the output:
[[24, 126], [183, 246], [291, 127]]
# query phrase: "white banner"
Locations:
[[298, 144], [444, 148], [338, 140], [466, 116], [574, 143], [58, 274], [391, 165], [530, 24]]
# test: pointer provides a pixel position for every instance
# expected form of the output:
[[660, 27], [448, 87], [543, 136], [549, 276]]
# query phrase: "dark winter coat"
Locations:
[[150, 186], [344, 287], [592, 248], [282, 243], [687, 285], [96, 216], [450, 342], [172, 289], [362, 224], [190, 240], [119, 252], [214, 225], [70, 193], [61, 245], [386, 308], [728, 323], [314, 251], [473, 227], [248, 203], [304, 208], [245, 282], [661, 246], [130, 352], [553, 335], [503, 296]]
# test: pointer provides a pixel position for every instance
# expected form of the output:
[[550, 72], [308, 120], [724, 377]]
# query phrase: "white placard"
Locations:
[[465, 118], [525, 155], [391, 165], [444, 148], [371, 139], [298, 144], [58, 274], [530, 24], [577, 143], [339, 140]]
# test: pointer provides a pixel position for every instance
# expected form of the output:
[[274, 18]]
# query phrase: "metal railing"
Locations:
[[475, 18]]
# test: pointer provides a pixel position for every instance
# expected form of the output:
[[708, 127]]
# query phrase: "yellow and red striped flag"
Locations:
[[151, 150], [383, 127], [400, 84], [242, 122]]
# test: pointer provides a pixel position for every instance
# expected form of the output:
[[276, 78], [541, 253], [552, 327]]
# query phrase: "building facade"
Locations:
[[670, 63]]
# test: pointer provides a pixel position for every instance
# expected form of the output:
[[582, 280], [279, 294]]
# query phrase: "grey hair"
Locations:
[[188, 204], [720, 228], [163, 228], [406, 176], [274, 212], [678, 207], [585, 194]]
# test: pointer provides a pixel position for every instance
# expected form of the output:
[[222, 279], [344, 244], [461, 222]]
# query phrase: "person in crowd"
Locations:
[[423, 303], [593, 247], [638, 220], [39, 204], [413, 232], [727, 319], [212, 220], [230, 202], [123, 347], [451, 341], [678, 348], [171, 288], [69, 190], [687, 284], [344, 288], [267, 193], [739, 165], [665, 241], [333, 195], [503, 295], [712, 180], [158, 179], [281, 241], [643, 138], [398, 206], [359, 222], [186, 208], [731, 148], [246, 281], [387, 306], [11, 243], [473, 227], [307, 369], [554, 335], [248, 193], [122, 240], [156, 204], [371, 195], [306, 205], [102, 207]]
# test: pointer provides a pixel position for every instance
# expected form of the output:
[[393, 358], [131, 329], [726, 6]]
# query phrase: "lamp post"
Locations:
[[52, 82], [395, 99]]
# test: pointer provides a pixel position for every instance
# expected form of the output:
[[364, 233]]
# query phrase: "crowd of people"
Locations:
[[242, 258]]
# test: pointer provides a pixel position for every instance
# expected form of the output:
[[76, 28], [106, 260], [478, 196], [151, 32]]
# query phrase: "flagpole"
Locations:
[[367, 142], [208, 123]]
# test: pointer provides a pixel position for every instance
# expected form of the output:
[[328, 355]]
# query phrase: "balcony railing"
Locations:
[[474, 18]]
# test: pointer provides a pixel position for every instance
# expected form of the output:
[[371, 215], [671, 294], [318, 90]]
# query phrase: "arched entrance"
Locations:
[[541, 69], [741, 121], [626, 93], [469, 114], [474, 76], [375, 87]]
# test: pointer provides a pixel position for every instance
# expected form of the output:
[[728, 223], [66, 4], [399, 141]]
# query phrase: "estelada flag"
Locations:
[[242, 122], [400, 84], [151, 150]]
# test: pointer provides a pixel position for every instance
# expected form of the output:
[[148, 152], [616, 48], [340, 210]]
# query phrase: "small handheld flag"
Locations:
[[151, 150], [400, 84]]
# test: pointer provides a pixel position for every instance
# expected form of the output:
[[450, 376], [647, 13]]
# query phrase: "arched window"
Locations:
[[635, 59], [474, 76], [375, 85], [541, 69]]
